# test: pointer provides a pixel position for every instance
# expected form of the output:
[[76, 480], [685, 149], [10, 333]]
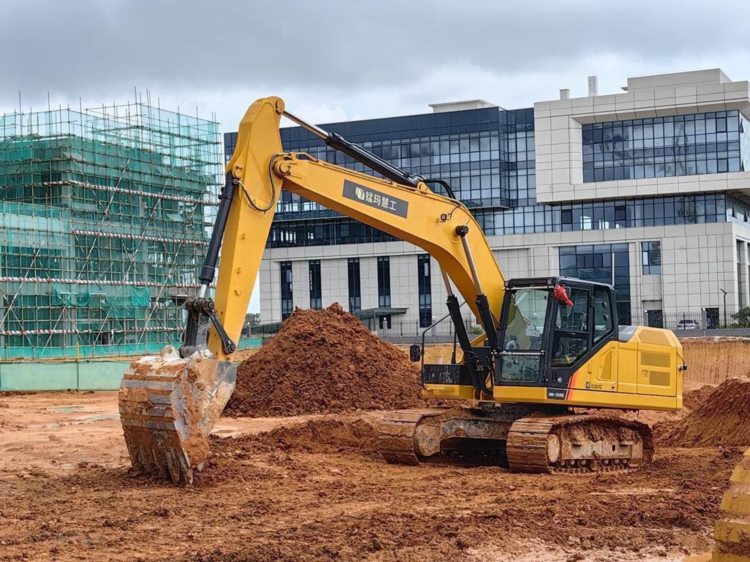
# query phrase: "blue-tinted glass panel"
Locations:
[[287, 301], [677, 145], [424, 285], [600, 215], [603, 263]]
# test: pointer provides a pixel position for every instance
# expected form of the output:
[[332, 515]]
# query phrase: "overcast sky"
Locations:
[[350, 59]]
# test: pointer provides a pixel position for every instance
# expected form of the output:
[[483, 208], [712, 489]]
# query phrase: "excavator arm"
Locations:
[[442, 226], [169, 404]]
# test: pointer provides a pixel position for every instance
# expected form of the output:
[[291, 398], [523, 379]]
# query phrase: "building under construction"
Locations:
[[104, 217]]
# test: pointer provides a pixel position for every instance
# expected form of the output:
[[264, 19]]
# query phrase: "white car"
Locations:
[[688, 325]]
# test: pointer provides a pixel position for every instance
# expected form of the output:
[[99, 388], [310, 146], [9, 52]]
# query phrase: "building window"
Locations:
[[425, 290], [693, 208], [676, 145], [651, 254], [742, 270], [287, 299], [384, 282], [603, 263], [316, 298], [355, 291]]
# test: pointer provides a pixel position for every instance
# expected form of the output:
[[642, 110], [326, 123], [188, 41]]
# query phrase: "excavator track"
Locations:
[[396, 439], [577, 444], [531, 442]]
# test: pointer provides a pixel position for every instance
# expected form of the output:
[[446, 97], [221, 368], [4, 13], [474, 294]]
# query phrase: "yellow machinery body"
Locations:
[[567, 352], [640, 374], [732, 531]]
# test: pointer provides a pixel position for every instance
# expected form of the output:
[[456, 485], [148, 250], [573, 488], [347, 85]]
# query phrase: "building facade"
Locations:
[[645, 189]]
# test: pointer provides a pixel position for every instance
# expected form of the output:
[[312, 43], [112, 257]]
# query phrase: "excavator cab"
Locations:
[[549, 327]]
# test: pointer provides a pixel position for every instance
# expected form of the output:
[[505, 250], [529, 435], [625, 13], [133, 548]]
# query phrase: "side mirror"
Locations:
[[415, 353]]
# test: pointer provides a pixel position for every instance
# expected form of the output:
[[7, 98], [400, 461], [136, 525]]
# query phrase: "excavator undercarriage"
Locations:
[[523, 439]]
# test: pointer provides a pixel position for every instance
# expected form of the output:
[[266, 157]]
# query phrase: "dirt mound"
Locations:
[[723, 419], [692, 399], [234, 458], [664, 423], [324, 361], [325, 435]]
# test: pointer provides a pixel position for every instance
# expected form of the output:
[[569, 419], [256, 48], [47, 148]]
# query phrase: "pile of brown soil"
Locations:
[[664, 423], [323, 435], [324, 361], [692, 399], [723, 419]]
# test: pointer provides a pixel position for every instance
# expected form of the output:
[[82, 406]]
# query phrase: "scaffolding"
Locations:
[[105, 215]]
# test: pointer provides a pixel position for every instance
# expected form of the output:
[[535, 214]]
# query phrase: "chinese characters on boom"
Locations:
[[374, 198]]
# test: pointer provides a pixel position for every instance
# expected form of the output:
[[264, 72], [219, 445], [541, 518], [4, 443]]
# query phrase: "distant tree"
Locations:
[[742, 318], [252, 318]]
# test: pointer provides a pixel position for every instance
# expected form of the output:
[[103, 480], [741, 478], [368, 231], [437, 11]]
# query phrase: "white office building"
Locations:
[[648, 189]]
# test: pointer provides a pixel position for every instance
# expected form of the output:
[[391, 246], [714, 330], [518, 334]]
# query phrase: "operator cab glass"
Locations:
[[524, 334], [552, 327], [571, 338]]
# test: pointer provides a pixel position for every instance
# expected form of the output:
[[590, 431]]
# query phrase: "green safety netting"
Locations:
[[119, 302]]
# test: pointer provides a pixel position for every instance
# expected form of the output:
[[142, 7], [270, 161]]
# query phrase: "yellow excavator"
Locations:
[[551, 346]]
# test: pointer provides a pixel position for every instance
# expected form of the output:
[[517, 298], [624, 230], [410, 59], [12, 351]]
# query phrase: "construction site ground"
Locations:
[[314, 488]]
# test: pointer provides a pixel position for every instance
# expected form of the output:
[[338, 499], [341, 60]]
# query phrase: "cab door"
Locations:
[[571, 337], [581, 331], [521, 357]]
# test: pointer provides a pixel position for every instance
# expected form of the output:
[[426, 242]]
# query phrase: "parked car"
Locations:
[[688, 325]]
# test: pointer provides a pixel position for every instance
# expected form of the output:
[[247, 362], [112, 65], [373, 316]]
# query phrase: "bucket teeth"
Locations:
[[168, 406]]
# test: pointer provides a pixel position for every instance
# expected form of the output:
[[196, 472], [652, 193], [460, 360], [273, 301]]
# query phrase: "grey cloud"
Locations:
[[345, 52], [79, 45]]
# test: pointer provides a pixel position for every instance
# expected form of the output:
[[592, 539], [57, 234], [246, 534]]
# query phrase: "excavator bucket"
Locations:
[[168, 406]]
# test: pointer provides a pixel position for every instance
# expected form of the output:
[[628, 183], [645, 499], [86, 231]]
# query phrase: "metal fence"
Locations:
[[683, 324]]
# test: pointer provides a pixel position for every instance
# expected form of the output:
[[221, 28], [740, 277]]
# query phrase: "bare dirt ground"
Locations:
[[312, 488]]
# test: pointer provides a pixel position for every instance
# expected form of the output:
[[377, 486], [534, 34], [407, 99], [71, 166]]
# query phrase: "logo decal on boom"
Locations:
[[376, 199]]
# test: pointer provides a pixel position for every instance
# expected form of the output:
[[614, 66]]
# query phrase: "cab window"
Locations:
[[571, 337], [602, 314], [524, 332]]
